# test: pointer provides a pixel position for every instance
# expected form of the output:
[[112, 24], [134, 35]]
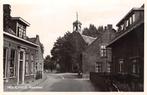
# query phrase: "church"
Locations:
[[79, 45], [90, 54]]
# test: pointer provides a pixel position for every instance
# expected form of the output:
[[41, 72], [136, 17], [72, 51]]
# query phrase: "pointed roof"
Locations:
[[77, 21]]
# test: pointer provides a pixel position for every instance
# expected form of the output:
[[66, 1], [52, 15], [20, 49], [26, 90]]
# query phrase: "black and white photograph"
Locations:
[[73, 46]]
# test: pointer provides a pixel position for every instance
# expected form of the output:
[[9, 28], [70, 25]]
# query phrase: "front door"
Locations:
[[21, 64]]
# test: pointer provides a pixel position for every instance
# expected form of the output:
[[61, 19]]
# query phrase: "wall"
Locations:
[[91, 55], [129, 46], [10, 43]]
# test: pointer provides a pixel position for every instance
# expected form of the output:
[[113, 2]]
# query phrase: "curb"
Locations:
[[36, 84], [41, 81]]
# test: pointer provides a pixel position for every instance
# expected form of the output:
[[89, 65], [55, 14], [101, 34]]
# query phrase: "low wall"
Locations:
[[106, 82], [100, 81]]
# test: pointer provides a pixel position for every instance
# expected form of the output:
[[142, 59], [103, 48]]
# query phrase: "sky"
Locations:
[[53, 18]]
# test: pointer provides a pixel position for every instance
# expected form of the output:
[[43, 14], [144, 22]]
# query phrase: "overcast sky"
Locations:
[[52, 18]]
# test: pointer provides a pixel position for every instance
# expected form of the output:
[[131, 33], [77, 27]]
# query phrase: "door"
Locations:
[[21, 64]]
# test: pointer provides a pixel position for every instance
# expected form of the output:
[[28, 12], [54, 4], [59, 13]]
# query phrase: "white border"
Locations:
[[63, 93]]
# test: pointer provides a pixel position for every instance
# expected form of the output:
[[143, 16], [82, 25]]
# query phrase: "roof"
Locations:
[[21, 19], [18, 38], [32, 39], [128, 14], [77, 22], [88, 39], [125, 33]]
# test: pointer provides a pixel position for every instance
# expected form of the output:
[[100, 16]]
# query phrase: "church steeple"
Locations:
[[77, 24], [77, 15]]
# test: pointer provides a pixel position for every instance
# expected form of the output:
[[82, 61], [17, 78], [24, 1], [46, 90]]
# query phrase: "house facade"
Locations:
[[96, 58], [21, 55], [128, 50]]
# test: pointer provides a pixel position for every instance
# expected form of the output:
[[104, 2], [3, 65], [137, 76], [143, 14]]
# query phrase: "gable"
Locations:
[[78, 42], [93, 48], [88, 39]]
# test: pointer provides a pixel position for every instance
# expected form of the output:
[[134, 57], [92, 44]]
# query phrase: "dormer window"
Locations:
[[127, 23], [122, 27], [133, 17], [130, 20], [20, 27], [21, 31]]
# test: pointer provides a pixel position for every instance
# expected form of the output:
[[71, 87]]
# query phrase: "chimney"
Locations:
[[109, 26], [105, 28], [37, 36], [6, 16], [6, 10], [142, 6]]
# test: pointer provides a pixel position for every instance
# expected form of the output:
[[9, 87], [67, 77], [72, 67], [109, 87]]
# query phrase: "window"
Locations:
[[135, 67], [109, 54], [108, 67], [122, 27], [130, 20], [41, 66], [36, 66], [103, 51], [32, 65], [4, 62], [133, 17], [18, 32], [121, 62], [21, 32], [27, 65], [21, 55], [27, 68], [98, 67], [12, 63], [127, 23]]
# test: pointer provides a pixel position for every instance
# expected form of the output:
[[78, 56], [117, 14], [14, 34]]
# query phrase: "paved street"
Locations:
[[64, 82]]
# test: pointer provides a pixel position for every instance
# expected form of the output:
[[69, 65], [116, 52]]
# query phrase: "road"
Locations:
[[65, 82]]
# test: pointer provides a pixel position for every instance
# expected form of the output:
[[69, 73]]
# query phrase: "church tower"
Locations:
[[77, 25], [78, 44]]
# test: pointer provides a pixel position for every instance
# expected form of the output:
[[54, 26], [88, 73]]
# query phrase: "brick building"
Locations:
[[128, 50], [96, 58], [22, 56]]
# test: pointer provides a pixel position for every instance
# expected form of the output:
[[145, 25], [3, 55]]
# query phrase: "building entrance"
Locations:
[[21, 64]]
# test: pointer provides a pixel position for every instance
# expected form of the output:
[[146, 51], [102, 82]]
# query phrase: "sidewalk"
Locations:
[[86, 76], [23, 87]]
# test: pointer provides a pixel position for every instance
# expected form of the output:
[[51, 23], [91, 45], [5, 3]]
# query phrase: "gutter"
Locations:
[[23, 40]]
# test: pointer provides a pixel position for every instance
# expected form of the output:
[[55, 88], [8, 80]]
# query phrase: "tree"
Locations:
[[47, 61], [42, 47], [62, 52], [93, 31]]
